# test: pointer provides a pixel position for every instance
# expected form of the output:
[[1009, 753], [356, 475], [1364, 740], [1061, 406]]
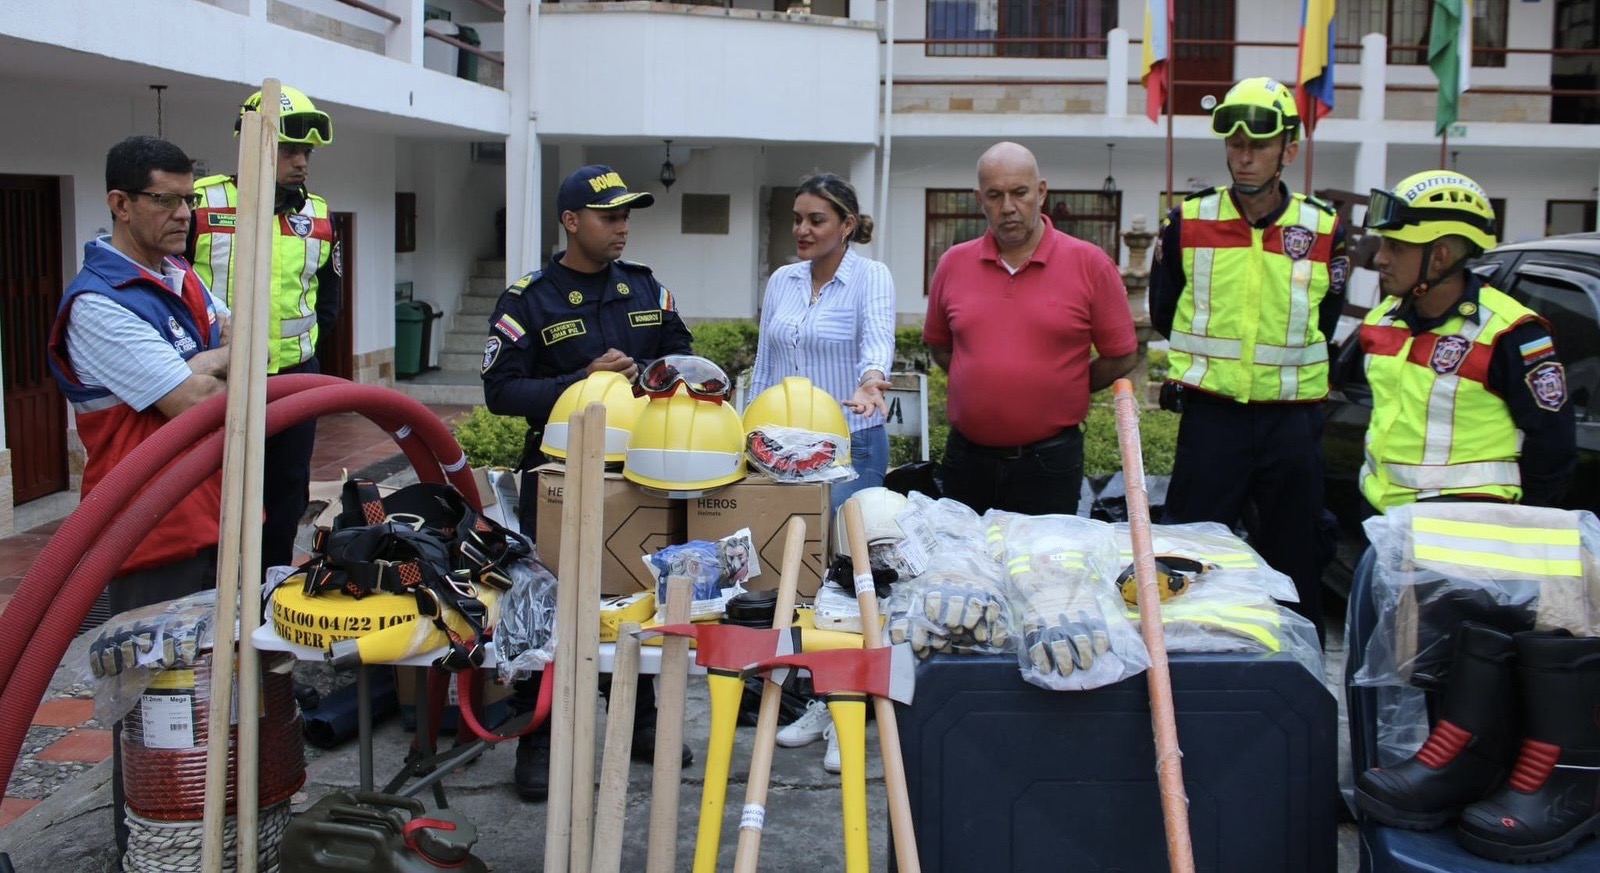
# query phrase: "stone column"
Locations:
[[1136, 277]]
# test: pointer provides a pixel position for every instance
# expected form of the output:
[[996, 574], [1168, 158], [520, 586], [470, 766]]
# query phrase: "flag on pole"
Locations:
[[1450, 31], [1314, 93], [1158, 16]]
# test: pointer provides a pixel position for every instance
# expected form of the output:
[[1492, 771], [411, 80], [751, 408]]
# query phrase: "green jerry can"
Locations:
[[367, 832]]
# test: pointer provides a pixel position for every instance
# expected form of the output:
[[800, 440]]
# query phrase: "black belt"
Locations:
[[1012, 453]]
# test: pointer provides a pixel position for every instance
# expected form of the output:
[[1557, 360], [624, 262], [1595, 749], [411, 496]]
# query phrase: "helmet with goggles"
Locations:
[[299, 120], [1262, 107], [622, 410], [1432, 204], [684, 444], [698, 376]]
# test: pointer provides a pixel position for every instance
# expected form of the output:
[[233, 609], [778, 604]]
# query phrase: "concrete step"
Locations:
[[464, 341], [493, 268], [461, 362], [485, 286], [454, 385], [475, 306]]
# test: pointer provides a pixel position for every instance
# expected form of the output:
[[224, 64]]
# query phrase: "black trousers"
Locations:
[[1042, 478], [286, 490], [1231, 455]]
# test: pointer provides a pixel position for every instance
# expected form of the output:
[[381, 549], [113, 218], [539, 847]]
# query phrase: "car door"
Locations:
[[1565, 290]]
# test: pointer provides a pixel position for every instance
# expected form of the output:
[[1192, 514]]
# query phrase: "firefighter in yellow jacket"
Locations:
[[306, 293], [1248, 285], [1469, 395]]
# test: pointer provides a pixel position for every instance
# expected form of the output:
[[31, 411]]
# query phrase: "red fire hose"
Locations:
[[52, 630]]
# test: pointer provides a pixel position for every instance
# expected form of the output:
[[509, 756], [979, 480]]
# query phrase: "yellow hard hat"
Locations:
[[622, 409], [795, 402], [299, 120], [682, 445], [1432, 204], [1262, 106]]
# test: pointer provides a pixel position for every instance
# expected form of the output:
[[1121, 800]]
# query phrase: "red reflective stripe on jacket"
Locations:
[[1198, 233]]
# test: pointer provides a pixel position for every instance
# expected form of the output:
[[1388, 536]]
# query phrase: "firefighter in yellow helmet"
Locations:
[[1248, 284], [306, 293], [1469, 395]]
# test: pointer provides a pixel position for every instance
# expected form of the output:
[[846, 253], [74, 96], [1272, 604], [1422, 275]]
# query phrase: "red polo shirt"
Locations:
[[1019, 366]]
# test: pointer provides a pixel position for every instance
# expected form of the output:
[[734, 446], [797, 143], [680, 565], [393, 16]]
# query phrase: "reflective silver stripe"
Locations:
[[221, 260], [308, 275], [86, 406], [1439, 477], [298, 327], [1278, 356], [1210, 346], [1442, 400], [1210, 208]]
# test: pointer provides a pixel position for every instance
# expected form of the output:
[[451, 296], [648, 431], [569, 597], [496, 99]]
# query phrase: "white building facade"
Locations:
[[445, 161]]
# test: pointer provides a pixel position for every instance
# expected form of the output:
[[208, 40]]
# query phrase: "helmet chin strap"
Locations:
[[1253, 190], [1425, 284]]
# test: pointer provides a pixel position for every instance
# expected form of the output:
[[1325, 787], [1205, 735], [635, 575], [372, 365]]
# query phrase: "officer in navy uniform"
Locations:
[[586, 311]]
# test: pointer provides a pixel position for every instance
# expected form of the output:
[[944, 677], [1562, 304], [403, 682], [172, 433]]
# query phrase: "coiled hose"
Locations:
[[46, 633]]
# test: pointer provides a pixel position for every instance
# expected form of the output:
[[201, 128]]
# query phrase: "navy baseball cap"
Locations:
[[597, 186]]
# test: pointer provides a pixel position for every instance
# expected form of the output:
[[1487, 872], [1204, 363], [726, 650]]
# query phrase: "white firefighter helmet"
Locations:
[[880, 508]]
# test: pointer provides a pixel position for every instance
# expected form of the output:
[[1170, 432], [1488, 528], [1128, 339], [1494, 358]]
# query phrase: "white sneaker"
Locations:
[[830, 761], [808, 728]]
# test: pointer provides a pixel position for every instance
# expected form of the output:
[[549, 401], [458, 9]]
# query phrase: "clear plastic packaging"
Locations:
[[792, 454], [136, 646], [717, 572], [958, 603], [525, 638]]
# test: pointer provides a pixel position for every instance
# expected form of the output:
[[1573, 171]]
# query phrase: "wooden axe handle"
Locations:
[[586, 662], [754, 815], [558, 803], [1169, 760], [611, 806], [663, 841], [901, 823]]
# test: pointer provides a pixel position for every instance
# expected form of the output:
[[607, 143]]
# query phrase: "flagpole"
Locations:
[[1172, 88], [1311, 147], [1444, 148]]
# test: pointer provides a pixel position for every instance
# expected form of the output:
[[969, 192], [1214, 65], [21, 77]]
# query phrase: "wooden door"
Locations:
[[336, 352], [30, 291], [1199, 70]]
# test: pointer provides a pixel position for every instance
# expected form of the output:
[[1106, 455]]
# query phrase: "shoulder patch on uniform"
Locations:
[[510, 327], [665, 300], [337, 258], [491, 352], [1537, 350], [1548, 384], [1323, 205], [1198, 194], [522, 284]]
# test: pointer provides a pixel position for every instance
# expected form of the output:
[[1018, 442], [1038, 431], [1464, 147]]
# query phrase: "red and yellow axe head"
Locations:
[[888, 672], [728, 648]]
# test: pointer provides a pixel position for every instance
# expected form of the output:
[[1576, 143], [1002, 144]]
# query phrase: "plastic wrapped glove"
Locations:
[[964, 608]]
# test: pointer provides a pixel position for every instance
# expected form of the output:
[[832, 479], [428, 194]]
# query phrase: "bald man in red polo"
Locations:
[[1012, 317]]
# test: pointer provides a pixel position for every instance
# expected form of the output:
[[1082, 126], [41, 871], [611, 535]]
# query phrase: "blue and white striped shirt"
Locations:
[[849, 330]]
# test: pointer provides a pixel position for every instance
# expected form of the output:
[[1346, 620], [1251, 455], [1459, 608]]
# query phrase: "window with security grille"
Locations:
[[1408, 23], [1014, 28], [953, 216]]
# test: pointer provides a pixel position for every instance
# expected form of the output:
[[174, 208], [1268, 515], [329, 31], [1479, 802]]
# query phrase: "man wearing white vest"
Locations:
[[1248, 285], [306, 294]]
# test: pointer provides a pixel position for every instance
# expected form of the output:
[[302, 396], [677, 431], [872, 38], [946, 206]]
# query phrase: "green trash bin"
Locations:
[[410, 317]]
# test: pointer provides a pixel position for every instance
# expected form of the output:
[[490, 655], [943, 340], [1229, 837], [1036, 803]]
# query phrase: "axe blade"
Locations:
[[723, 647], [887, 672]]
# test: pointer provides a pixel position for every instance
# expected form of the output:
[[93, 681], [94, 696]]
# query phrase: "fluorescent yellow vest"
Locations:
[[1437, 429], [301, 245], [1246, 328]]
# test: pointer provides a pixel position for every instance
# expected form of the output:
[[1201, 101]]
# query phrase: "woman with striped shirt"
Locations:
[[830, 318]]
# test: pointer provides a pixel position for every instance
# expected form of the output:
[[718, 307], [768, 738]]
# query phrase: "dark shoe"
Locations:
[[1551, 802], [644, 746], [1471, 745], [532, 775]]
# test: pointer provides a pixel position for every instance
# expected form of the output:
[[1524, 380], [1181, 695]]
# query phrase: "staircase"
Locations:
[[461, 348]]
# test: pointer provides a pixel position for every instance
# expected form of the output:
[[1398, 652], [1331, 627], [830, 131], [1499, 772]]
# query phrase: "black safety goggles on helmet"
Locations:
[[703, 379], [1258, 122], [312, 128], [1388, 212]]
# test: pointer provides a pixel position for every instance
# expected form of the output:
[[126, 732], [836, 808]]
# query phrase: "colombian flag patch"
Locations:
[[508, 326]]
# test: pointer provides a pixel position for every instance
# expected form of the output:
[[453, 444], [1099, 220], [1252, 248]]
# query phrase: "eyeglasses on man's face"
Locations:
[[168, 200]]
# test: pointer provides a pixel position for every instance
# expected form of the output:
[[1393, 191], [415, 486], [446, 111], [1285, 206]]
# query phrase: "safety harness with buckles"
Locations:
[[422, 540]]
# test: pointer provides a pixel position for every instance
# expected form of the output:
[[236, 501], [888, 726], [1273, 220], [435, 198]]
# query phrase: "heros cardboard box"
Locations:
[[765, 507], [636, 524]]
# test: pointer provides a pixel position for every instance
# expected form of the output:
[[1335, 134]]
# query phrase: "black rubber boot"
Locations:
[[532, 773], [1470, 748], [1551, 802]]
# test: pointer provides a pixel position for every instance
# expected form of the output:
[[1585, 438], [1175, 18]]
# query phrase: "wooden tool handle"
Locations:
[[612, 803], [586, 662], [901, 823], [754, 815], [558, 802], [663, 845], [1169, 759]]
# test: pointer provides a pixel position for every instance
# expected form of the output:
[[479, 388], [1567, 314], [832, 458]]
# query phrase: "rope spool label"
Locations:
[[168, 718]]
